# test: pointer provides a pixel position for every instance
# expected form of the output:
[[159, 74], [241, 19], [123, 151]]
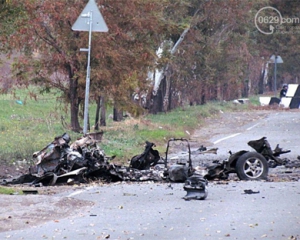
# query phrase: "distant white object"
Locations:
[[285, 102], [292, 98], [292, 89], [264, 101], [241, 101], [269, 101]]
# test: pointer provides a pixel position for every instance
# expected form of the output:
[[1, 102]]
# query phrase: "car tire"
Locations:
[[252, 166]]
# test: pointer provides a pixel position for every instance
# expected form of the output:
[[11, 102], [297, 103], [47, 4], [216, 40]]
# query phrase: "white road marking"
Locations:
[[222, 139], [252, 126], [233, 135], [75, 193], [80, 191]]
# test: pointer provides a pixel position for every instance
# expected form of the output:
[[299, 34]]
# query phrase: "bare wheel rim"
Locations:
[[253, 167]]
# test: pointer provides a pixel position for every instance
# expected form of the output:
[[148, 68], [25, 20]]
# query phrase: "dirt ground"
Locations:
[[22, 211]]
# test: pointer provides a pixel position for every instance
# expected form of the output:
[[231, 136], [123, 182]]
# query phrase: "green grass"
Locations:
[[9, 191], [30, 126]]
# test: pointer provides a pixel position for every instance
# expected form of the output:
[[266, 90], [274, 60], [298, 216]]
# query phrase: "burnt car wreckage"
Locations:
[[83, 161]]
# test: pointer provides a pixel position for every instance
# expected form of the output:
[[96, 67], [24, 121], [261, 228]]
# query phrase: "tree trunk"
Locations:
[[261, 82], [100, 110], [74, 102], [203, 95], [166, 96], [118, 115], [167, 93], [246, 89], [103, 112], [156, 101], [219, 91], [97, 113], [161, 103]]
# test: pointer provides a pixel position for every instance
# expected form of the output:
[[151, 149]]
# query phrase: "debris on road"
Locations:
[[196, 188], [147, 159], [82, 161], [249, 165], [30, 191], [250, 191]]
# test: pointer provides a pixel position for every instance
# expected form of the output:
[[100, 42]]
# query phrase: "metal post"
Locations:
[[275, 71], [88, 74]]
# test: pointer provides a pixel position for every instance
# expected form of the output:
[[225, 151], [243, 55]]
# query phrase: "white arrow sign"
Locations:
[[83, 21]]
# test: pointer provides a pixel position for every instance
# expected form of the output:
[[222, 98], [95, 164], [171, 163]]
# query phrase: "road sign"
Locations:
[[275, 59], [83, 21], [278, 59], [90, 20]]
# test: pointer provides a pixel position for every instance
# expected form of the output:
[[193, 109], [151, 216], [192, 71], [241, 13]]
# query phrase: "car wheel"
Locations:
[[252, 166]]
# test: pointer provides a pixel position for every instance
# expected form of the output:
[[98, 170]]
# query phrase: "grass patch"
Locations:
[[28, 124], [9, 191]]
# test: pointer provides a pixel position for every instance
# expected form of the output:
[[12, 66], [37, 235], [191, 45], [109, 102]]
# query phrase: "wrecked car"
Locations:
[[82, 161], [248, 165], [60, 162]]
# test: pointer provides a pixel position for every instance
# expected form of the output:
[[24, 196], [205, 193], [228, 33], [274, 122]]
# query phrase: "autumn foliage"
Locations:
[[220, 58]]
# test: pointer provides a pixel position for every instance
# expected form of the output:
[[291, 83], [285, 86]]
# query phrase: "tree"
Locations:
[[220, 56], [216, 59], [7, 17], [50, 54], [284, 42], [48, 50]]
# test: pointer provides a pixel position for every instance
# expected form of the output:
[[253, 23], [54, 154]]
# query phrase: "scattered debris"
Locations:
[[196, 188], [249, 165], [30, 191], [147, 159], [180, 171], [250, 191], [82, 161]]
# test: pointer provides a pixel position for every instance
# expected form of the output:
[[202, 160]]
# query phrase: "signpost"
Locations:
[[275, 59], [89, 20]]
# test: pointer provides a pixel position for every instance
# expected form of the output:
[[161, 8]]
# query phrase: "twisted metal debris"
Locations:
[[84, 161], [63, 162]]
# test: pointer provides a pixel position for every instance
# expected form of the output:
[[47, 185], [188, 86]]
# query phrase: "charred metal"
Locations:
[[63, 162]]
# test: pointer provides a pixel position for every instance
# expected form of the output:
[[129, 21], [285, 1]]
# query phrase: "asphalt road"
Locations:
[[281, 128], [157, 211]]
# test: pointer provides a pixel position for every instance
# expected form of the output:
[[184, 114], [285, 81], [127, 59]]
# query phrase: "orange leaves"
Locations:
[[120, 59]]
